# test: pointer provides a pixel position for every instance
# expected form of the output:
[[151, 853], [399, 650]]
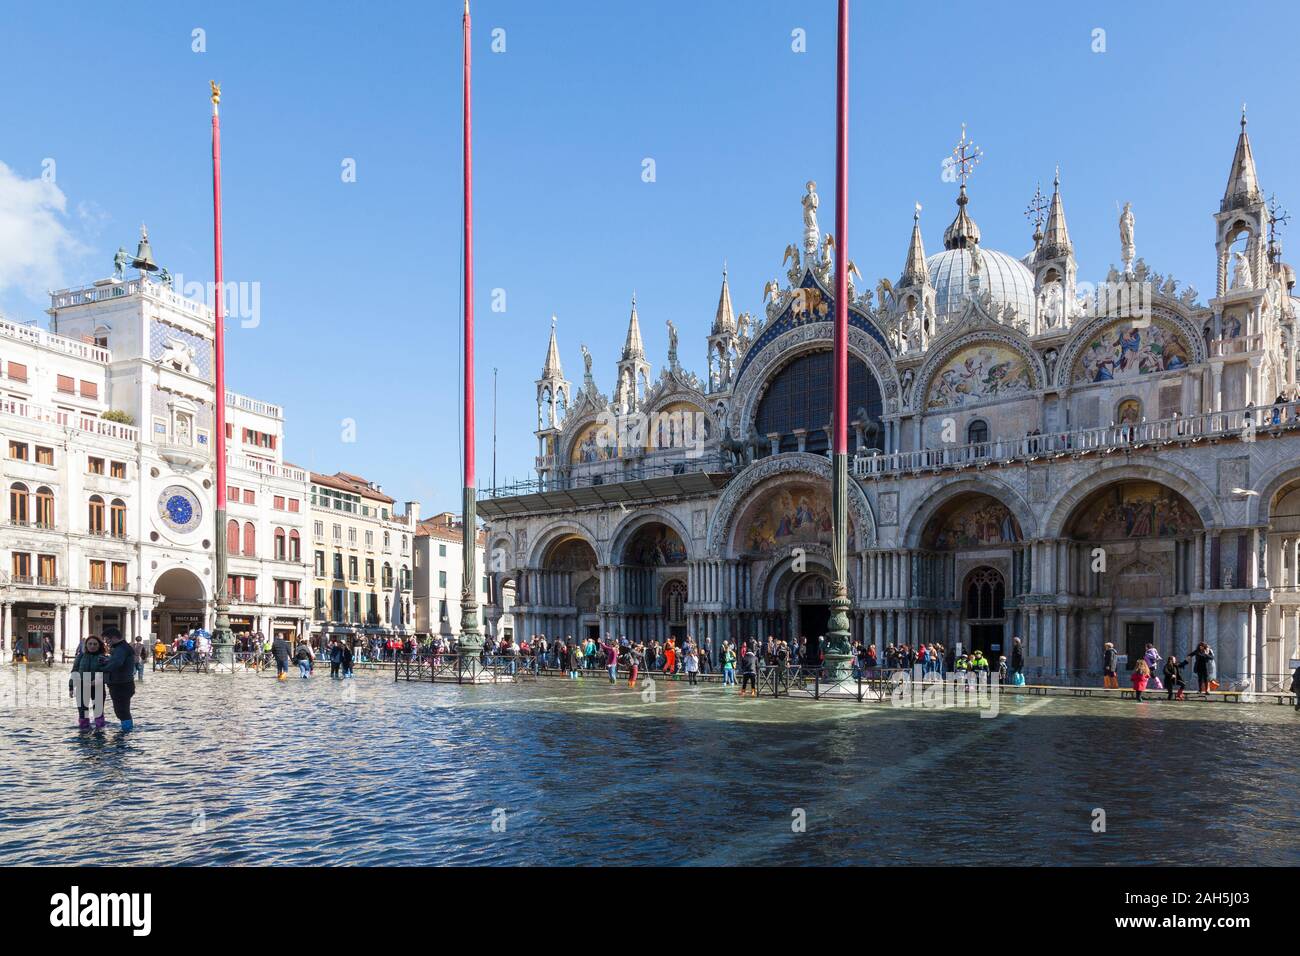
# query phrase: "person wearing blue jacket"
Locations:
[[119, 675]]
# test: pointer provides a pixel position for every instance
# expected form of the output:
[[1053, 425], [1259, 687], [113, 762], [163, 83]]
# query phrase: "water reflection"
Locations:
[[246, 771]]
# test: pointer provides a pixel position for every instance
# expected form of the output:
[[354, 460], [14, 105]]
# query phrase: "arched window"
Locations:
[[280, 544], [44, 516], [387, 576], [406, 578], [250, 539], [387, 541], [232, 536], [18, 513], [675, 602], [985, 592], [977, 433], [295, 546], [117, 518], [799, 397], [95, 517]]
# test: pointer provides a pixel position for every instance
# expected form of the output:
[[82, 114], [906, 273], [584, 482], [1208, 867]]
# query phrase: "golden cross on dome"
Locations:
[[967, 156]]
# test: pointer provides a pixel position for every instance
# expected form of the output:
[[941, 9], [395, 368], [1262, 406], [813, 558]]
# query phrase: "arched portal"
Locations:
[[1132, 555], [652, 559], [567, 589], [971, 558], [183, 604], [984, 617]]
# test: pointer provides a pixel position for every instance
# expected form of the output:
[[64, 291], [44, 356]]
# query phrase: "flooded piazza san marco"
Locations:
[[245, 771]]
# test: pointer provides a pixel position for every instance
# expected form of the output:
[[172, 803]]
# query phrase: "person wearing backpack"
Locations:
[[304, 657]]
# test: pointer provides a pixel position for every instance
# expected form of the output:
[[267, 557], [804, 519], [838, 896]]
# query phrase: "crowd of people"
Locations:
[[1166, 673]]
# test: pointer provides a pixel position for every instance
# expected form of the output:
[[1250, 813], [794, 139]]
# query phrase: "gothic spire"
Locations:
[[1243, 183], [725, 319], [1056, 241], [552, 367], [633, 348], [915, 271]]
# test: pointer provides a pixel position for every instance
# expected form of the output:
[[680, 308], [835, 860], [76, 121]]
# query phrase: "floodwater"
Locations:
[[242, 770]]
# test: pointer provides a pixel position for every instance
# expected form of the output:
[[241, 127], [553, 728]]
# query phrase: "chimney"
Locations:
[[412, 512]]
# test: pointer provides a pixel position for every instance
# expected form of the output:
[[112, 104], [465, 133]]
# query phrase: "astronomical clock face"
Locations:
[[179, 509]]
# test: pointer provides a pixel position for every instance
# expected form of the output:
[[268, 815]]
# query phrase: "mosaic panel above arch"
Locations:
[[978, 373], [1134, 509], [655, 545], [972, 521], [794, 513], [1123, 351]]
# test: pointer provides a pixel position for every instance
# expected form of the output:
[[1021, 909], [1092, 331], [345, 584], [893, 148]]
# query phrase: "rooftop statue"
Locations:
[[1127, 249], [811, 232]]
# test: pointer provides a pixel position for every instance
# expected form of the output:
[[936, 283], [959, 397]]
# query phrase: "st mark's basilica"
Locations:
[[1034, 455]]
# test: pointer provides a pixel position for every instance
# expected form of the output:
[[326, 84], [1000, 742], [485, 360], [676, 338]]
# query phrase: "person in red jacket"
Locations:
[[1141, 674]]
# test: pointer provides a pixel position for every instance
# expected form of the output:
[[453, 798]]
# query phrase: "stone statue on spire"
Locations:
[[811, 231], [672, 345], [1127, 248], [587, 380]]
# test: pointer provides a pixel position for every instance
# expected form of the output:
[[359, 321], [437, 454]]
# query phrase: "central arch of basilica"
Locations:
[[1034, 456]]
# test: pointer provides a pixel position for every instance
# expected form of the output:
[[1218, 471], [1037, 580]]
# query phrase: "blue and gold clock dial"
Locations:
[[179, 509]]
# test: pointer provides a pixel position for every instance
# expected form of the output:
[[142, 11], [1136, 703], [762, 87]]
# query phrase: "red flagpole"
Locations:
[[470, 641], [218, 304], [838, 650], [469, 268], [222, 641], [841, 415]]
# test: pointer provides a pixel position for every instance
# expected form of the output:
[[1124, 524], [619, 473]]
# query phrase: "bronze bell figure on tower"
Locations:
[[144, 254]]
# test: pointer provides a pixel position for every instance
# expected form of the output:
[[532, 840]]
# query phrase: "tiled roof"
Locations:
[[353, 483], [438, 528]]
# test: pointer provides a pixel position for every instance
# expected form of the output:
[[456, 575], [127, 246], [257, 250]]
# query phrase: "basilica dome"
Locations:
[[1007, 279]]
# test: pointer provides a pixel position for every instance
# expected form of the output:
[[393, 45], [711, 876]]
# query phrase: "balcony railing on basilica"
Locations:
[[1208, 426], [619, 480]]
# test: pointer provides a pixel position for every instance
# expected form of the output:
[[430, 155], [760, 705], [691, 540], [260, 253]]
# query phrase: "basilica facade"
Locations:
[[1034, 455]]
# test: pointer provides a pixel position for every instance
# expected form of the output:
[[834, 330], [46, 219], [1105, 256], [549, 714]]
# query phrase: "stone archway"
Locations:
[[648, 554], [1133, 559], [182, 603]]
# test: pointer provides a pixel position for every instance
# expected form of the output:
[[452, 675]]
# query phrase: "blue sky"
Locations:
[[359, 281]]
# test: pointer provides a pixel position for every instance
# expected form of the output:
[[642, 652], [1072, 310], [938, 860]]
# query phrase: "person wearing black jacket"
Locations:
[[119, 675], [1017, 657], [1201, 659], [280, 650]]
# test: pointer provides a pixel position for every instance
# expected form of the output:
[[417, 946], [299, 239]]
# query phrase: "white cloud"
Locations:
[[34, 242]]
